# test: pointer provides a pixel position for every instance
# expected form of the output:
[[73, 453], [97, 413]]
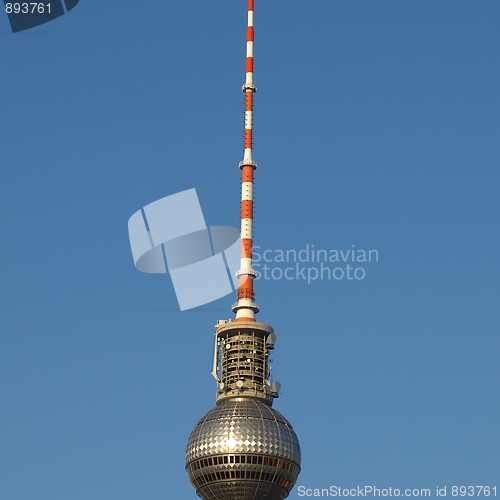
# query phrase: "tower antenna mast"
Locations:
[[246, 308]]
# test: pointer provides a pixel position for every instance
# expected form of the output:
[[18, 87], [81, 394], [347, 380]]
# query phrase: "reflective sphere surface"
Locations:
[[242, 450]]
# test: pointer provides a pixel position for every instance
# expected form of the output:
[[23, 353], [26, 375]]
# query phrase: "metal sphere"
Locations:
[[241, 450]]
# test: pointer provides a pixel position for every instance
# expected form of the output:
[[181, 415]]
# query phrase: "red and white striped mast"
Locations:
[[246, 308]]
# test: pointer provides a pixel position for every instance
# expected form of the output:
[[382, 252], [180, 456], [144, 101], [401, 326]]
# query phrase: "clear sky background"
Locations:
[[376, 125]]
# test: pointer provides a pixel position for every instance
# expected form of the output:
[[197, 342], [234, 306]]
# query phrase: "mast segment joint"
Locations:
[[248, 163], [249, 87]]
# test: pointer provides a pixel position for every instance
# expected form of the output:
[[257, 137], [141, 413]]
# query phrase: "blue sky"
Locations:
[[376, 125]]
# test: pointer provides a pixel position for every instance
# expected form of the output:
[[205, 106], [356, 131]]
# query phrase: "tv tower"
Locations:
[[243, 449]]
